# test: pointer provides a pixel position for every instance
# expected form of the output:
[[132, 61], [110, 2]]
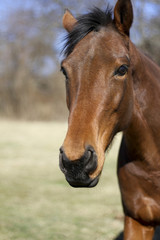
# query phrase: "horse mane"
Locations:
[[87, 23]]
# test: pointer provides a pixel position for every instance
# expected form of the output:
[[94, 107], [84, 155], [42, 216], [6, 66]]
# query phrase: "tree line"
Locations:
[[31, 85]]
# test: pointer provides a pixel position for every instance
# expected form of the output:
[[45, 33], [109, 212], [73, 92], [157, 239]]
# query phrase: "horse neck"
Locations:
[[143, 135]]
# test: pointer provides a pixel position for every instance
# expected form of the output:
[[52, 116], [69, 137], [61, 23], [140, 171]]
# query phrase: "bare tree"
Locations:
[[31, 85]]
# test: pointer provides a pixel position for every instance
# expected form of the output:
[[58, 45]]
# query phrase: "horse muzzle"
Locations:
[[78, 172]]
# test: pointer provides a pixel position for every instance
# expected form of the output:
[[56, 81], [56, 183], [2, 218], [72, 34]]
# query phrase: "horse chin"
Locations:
[[94, 182], [88, 184]]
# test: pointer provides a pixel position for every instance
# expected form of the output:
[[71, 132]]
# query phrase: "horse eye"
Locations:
[[64, 72], [122, 70]]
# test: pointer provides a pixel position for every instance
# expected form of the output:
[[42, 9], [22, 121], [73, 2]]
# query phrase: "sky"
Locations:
[[151, 9], [5, 5], [9, 5]]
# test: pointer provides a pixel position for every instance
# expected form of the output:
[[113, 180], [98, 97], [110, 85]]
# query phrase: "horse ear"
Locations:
[[123, 16], [68, 20]]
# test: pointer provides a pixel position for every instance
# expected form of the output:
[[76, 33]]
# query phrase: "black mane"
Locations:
[[86, 23]]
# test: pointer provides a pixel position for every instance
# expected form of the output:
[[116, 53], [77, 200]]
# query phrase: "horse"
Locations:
[[112, 87]]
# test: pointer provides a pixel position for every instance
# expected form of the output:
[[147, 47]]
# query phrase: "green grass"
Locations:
[[36, 203]]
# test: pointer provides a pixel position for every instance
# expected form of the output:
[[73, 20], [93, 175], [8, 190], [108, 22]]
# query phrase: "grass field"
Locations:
[[36, 203]]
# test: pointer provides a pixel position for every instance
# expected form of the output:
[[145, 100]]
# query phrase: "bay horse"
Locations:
[[110, 87]]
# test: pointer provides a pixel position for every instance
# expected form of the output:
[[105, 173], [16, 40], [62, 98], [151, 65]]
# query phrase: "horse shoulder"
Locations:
[[140, 188]]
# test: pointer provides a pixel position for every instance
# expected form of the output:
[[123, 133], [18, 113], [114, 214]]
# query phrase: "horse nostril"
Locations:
[[61, 161], [91, 163], [87, 164]]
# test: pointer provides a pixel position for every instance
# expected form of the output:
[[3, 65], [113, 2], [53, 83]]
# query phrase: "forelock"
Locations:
[[87, 23]]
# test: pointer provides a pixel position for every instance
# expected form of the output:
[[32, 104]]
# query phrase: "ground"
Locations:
[[36, 202]]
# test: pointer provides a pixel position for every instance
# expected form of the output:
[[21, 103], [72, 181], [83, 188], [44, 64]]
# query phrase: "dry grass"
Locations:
[[36, 203]]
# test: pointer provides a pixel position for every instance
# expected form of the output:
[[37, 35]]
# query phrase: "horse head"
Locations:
[[99, 91]]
